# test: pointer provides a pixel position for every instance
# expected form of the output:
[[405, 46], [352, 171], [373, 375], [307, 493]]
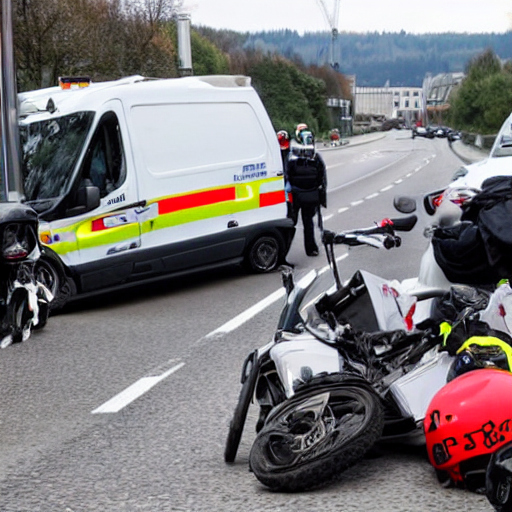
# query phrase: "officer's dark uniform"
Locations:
[[308, 181]]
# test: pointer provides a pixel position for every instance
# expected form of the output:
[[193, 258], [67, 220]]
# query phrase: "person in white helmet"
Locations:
[[306, 176]]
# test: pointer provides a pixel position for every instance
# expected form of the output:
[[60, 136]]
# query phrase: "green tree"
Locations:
[[206, 57], [483, 65], [105, 39], [290, 95], [484, 98]]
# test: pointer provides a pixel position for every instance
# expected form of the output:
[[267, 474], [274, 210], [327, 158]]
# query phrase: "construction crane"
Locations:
[[332, 20]]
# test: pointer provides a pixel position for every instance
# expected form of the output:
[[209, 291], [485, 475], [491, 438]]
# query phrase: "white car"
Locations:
[[499, 162]]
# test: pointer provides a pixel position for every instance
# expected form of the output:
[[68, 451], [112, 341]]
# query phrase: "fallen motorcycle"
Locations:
[[346, 368], [23, 301]]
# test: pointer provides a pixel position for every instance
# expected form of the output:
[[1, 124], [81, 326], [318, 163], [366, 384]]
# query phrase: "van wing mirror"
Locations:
[[87, 198], [92, 197]]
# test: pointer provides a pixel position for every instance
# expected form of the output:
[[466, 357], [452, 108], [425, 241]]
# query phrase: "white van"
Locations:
[[138, 178]]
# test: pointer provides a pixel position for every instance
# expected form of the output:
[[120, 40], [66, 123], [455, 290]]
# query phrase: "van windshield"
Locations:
[[50, 150]]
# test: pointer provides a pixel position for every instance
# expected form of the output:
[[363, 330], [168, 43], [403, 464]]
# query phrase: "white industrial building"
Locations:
[[390, 102]]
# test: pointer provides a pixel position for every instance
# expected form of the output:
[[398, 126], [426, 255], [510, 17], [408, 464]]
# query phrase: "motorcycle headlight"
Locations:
[[18, 241]]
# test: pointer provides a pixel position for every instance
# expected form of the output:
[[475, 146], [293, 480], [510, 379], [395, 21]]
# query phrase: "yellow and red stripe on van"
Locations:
[[215, 202], [171, 211]]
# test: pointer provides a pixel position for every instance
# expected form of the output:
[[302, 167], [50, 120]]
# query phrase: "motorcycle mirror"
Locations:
[[287, 278], [404, 204]]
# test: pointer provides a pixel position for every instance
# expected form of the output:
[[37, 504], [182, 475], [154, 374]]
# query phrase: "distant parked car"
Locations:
[[422, 131], [453, 135], [442, 131]]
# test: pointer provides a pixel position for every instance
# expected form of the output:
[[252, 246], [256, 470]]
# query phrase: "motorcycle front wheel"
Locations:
[[236, 426], [310, 439]]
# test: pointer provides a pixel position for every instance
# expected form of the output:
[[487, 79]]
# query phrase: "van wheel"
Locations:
[[265, 253], [55, 281]]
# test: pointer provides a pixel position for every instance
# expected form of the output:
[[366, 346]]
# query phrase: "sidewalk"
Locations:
[[355, 140], [467, 153]]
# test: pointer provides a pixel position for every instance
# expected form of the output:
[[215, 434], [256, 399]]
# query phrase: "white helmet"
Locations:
[[304, 143]]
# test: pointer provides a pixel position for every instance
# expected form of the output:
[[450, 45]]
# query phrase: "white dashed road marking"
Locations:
[[134, 391]]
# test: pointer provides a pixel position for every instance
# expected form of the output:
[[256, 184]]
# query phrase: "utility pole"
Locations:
[[184, 45], [10, 155]]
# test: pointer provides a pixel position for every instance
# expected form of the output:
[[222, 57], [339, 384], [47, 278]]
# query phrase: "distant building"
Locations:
[[374, 101], [436, 91], [390, 102]]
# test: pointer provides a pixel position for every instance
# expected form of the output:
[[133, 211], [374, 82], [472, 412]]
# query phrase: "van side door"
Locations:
[[109, 235]]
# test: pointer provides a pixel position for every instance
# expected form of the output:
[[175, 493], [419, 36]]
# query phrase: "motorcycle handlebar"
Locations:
[[381, 235], [404, 223]]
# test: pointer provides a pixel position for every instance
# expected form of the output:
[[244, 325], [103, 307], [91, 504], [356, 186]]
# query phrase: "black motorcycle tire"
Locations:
[[49, 273], [44, 312], [236, 426], [19, 314], [332, 454]]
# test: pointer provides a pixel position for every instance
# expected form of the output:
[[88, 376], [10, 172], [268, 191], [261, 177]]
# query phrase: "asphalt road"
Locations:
[[170, 355]]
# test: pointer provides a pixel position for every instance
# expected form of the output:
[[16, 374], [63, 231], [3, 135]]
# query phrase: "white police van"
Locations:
[[138, 178]]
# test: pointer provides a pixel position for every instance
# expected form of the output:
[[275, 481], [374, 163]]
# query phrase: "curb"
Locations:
[[355, 140], [468, 154]]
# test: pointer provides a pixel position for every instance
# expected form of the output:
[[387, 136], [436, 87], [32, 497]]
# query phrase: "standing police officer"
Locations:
[[306, 177]]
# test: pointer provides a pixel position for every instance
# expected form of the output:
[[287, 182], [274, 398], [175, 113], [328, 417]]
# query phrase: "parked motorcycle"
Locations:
[[347, 367], [23, 301]]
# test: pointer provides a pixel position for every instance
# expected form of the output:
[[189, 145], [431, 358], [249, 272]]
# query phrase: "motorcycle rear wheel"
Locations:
[[20, 317], [296, 451]]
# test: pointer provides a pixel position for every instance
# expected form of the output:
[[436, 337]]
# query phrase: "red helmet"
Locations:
[[466, 422], [284, 139]]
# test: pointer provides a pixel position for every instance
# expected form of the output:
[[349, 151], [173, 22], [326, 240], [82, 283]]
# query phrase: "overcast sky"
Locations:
[[413, 16]]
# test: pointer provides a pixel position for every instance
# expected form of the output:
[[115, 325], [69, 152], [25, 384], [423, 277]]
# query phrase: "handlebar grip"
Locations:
[[404, 223]]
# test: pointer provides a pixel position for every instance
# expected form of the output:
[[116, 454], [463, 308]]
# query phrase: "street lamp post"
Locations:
[[10, 155]]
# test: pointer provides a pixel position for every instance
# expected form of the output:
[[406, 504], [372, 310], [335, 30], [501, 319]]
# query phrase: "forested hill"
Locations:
[[402, 59]]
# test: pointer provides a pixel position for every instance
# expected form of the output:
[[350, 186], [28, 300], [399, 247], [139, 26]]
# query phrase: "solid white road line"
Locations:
[[240, 319], [246, 315], [133, 392]]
